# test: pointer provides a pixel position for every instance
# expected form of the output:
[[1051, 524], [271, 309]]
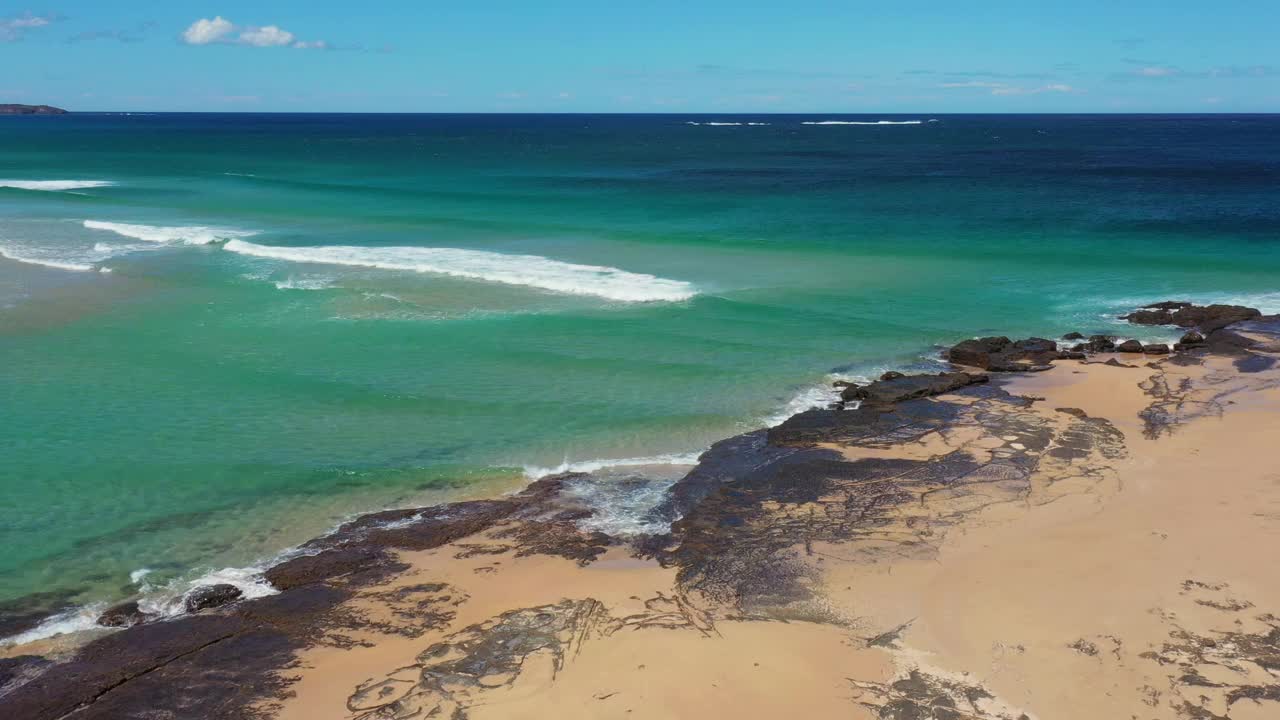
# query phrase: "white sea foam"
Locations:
[[534, 472], [725, 124], [815, 397], [77, 620], [858, 122], [1267, 302], [54, 185], [56, 263], [528, 270], [189, 234], [304, 283], [623, 507], [168, 601]]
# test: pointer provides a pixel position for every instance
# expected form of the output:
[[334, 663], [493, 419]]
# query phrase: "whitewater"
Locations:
[[528, 270]]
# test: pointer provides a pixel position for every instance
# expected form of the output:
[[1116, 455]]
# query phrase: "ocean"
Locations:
[[222, 334]]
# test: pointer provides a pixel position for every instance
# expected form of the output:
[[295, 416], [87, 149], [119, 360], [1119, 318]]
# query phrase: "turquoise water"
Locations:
[[179, 406]]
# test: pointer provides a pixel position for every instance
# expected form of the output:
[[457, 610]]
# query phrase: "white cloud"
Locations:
[[220, 30], [204, 31], [999, 88], [27, 21], [1157, 71], [12, 28], [1057, 87], [972, 84], [268, 36]]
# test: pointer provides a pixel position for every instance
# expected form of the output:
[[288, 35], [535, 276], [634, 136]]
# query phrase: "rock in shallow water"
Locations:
[[1208, 318], [125, 614], [211, 596]]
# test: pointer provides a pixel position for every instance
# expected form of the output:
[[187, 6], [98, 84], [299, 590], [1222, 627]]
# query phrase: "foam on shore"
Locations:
[[49, 262], [533, 472], [528, 270]]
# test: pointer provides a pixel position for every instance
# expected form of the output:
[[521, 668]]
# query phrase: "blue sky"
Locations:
[[657, 56]]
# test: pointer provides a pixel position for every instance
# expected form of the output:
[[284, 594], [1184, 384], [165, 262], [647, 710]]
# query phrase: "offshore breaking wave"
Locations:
[[57, 263], [190, 234], [54, 185], [529, 270], [861, 122]]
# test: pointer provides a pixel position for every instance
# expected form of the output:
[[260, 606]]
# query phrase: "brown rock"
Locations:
[[211, 596], [125, 614]]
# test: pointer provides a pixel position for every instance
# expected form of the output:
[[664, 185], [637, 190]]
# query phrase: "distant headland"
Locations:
[[31, 110]]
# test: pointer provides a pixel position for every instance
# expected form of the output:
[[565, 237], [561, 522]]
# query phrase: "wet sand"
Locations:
[[1092, 541]]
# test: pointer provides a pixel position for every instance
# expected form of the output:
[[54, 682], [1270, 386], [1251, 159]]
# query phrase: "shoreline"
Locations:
[[711, 558]]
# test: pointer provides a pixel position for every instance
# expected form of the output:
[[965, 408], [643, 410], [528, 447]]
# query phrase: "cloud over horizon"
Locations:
[[1000, 88], [219, 30]]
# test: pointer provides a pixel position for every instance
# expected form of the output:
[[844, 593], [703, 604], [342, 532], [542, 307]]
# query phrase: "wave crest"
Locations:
[[190, 234], [862, 122], [55, 263], [528, 270], [54, 185]]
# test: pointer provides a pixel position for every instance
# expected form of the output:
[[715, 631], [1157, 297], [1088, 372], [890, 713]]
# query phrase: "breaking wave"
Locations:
[[54, 185], [533, 472], [860, 122], [190, 235], [49, 262], [527, 270], [726, 124]]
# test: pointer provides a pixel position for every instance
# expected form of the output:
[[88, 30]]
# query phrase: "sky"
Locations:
[[691, 56]]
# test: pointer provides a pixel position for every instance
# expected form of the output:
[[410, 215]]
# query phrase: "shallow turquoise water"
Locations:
[[199, 406]]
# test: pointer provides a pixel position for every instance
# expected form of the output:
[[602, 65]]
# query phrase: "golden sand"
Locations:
[[1141, 583]]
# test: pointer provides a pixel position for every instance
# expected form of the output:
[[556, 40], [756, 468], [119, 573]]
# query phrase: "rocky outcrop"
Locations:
[[15, 109], [1000, 354], [211, 596], [909, 387], [1184, 314], [1129, 346]]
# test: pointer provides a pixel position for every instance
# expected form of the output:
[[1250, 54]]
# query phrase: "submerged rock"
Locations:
[[211, 596]]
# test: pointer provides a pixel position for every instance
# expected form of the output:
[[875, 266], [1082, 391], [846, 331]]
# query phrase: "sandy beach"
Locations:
[[1094, 540]]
